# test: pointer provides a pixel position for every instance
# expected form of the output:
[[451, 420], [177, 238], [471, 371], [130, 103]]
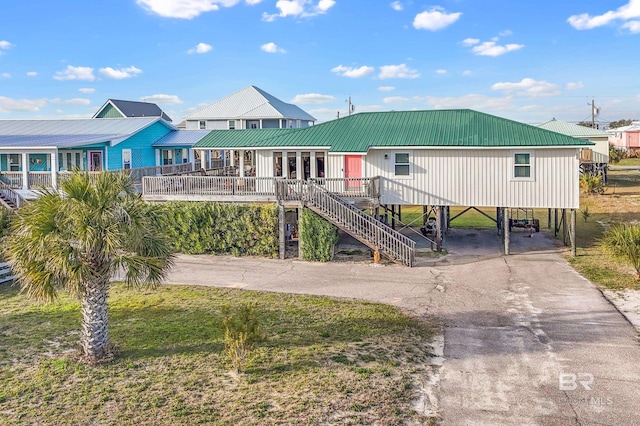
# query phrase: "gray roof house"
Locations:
[[598, 154], [249, 108], [116, 108]]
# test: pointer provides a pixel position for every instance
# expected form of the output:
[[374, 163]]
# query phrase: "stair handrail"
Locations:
[[382, 236], [7, 192]]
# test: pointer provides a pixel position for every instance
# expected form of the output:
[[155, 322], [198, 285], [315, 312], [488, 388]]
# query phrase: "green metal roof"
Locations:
[[360, 132]]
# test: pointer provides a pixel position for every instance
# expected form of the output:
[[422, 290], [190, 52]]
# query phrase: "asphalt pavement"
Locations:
[[527, 340]]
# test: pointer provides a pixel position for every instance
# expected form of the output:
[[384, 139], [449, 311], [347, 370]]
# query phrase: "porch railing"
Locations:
[[218, 183]]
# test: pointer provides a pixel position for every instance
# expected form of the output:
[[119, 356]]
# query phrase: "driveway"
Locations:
[[528, 341]]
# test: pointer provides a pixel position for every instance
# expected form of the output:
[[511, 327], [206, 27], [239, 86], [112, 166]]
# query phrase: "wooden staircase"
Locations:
[[9, 199], [365, 228]]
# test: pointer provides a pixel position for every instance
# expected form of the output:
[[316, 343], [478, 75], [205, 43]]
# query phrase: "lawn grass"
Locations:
[[324, 361], [629, 162], [619, 203]]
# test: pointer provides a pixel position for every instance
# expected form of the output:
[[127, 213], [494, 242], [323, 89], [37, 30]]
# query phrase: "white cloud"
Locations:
[[119, 74], [72, 101], [5, 45], [32, 74], [395, 100], [86, 90], [75, 73], [472, 101], [397, 71], [29, 105], [505, 33], [574, 86], [529, 88], [396, 5], [435, 19], [271, 47], [162, 99], [470, 41], [441, 71], [187, 9], [350, 72], [632, 26], [200, 48], [299, 8], [312, 99], [386, 88], [5, 75], [490, 48], [467, 73], [626, 12]]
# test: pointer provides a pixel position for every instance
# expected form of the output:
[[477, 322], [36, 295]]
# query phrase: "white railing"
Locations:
[[351, 187], [5, 273], [207, 185], [361, 225], [12, 179], [9, 197]]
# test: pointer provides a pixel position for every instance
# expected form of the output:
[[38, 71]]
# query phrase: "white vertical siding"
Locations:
[[479, 178], [264, 163], [334, 167]]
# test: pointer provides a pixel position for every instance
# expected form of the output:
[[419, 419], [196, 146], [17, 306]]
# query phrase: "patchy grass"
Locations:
[[324, 361], [619, 203], [629, 162]]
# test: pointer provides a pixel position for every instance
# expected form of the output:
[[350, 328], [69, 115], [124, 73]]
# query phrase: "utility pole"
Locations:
[[352, 107], [593, 114]]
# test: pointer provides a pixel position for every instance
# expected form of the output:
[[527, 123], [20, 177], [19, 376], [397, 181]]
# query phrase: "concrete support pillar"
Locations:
[[507, 233], [300, 208], [281, 231], [572, 232], [25, 170], [438, 228]]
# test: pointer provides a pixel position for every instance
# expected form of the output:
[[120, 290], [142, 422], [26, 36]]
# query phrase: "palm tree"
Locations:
[[623, 241], [78, 239]]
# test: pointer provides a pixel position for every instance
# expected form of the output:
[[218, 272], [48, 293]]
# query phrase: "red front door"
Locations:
[[353, 169]]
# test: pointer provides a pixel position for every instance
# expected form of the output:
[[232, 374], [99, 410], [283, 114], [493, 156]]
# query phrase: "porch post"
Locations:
[[299, 166], [241, 152], [281, 231], [25, 170], [54, 169], [572, 232], [203, 159], [232, 156], [312, 171], [158, 163], [285, 164]]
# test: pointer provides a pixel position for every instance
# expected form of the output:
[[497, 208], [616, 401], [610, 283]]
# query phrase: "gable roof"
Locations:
[[134, 109], [250, 102], [573, 130], [401, 129], [66, 133]]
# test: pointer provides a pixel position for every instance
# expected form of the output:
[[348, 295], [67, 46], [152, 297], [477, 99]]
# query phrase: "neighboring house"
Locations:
[[31, 148], [443, 158], [115, 108], [249, 108], [593, 159], [626, 138]]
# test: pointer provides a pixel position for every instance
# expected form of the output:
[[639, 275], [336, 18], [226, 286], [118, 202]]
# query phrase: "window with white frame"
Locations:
[[402, 165], [167, 157], [232, 124], [126, 159], [202, 124], [522, 165]]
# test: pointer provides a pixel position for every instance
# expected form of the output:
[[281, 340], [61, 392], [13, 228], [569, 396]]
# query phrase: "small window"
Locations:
[[402, 166], [522, 165], [232, 124], [202, 124], [126, 159]]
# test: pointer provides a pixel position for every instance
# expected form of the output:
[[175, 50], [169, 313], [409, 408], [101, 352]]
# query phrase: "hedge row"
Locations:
[[317, 236], [218, 228]]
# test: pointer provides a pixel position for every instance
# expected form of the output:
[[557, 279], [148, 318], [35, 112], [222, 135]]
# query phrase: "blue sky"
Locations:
[[524, 60]]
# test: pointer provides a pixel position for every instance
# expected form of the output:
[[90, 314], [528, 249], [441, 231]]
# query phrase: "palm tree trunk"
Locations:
[[95, 321]]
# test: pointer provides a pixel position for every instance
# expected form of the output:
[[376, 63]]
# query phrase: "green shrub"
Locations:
[[615, 154], [317, 236], [623, 242], [591, 183], [242, 333], [220, 228]]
